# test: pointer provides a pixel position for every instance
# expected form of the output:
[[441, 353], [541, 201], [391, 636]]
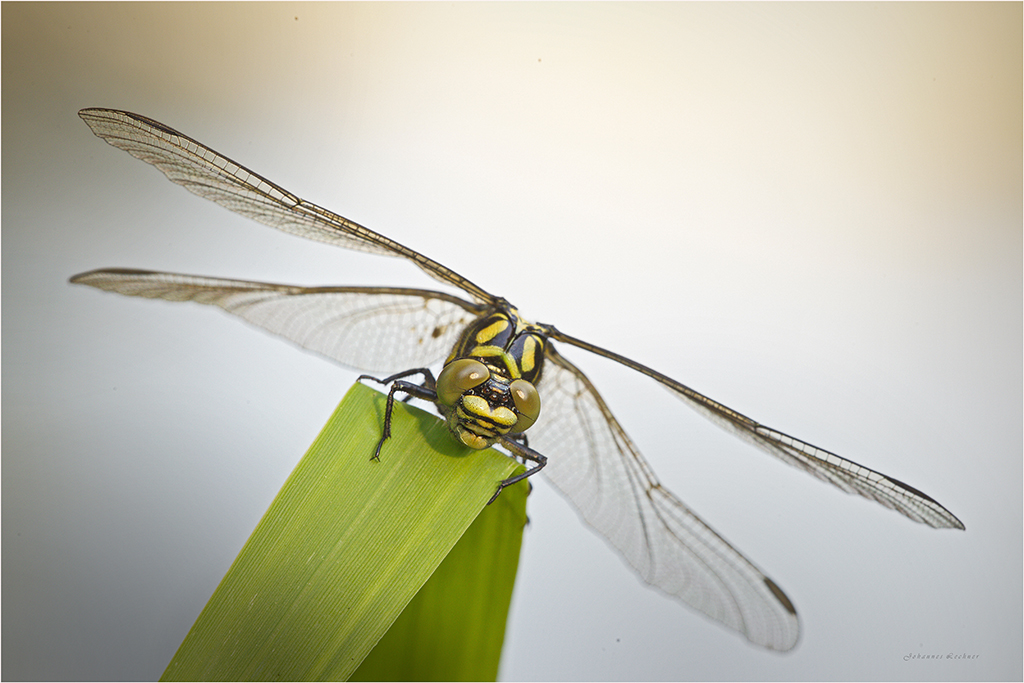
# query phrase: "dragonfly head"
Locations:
[[481, 405]]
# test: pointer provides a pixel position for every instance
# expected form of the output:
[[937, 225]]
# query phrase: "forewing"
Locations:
[[376, 329], [825, 465], [597, 466], [213, 176]]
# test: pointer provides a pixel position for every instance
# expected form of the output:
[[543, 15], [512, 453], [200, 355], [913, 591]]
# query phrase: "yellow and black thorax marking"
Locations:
[[509, 346]]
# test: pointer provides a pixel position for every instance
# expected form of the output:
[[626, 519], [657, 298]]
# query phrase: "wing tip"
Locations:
[[944, 518], [790, 636], [85, 278], [93, 115], [97, 118]]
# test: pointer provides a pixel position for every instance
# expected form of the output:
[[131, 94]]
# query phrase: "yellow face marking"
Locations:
[[491, 331], [504, 416], [472, 440], [476, 406]]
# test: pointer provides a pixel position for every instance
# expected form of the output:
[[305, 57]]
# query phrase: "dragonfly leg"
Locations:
[[527, 454], [410, 389], [428, 377], [520, 438]]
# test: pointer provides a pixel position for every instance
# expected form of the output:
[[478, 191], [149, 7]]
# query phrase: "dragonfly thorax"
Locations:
[[508, 345]]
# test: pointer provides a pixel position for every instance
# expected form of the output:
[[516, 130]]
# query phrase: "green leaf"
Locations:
[[346, 545], [454, 628]]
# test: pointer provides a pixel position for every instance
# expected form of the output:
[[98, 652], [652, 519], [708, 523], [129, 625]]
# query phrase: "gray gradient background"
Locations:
[[809, 212]]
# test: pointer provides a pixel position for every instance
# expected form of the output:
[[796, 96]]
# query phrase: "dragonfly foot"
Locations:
[[495, 496]]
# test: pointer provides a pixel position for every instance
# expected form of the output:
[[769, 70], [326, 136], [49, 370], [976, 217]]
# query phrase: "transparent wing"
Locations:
[[825, 465], [213, 176], [376, 329], [597, 466], [592, 459]]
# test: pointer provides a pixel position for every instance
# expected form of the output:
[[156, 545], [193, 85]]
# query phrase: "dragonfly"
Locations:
[[502, 377]]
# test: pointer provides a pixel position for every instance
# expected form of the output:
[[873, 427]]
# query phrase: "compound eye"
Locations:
[[527, 402], [458, 377]]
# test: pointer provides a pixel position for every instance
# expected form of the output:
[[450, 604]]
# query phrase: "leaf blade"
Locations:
[[342, 549], [454, 629]]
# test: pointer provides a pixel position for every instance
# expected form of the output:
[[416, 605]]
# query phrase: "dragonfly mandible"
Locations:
[[515, 377]]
